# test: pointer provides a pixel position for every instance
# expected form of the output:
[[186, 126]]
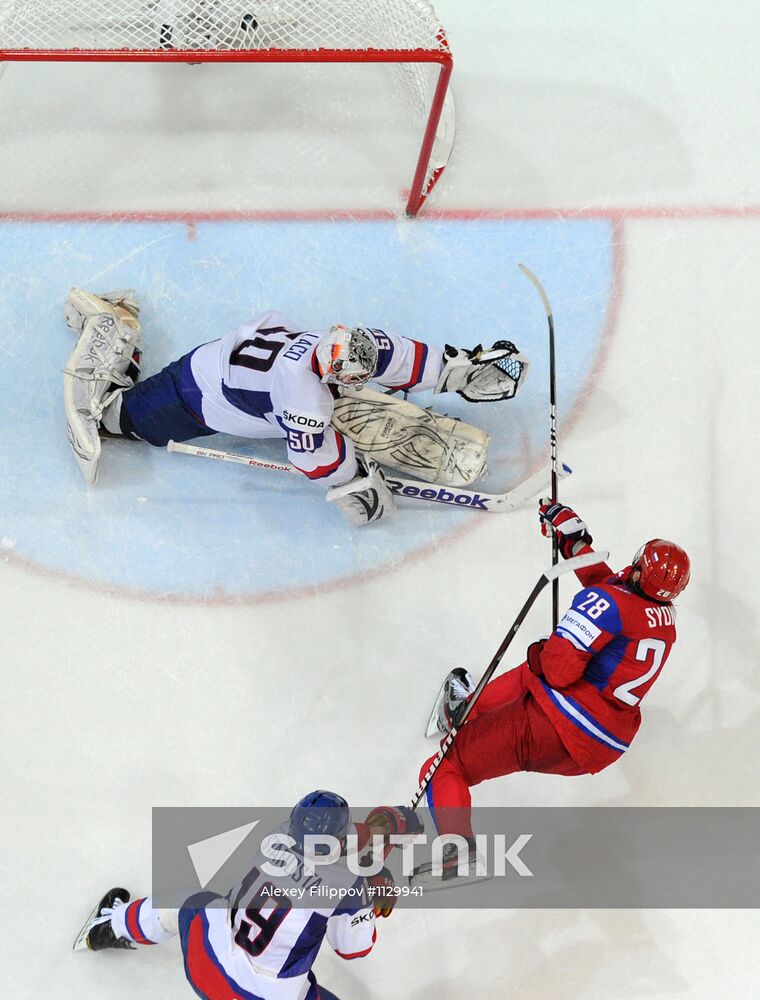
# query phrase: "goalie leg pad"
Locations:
[[366, 498], [81, 306], [105, 361], [419, 442]]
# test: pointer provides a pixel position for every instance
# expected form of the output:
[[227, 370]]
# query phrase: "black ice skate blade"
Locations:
[[80, 944]]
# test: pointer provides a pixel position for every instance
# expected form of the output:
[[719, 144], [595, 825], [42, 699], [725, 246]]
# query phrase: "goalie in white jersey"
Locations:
[[271, 379], [253, 943]]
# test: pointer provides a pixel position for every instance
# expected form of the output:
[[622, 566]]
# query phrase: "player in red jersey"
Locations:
[[573, 706]]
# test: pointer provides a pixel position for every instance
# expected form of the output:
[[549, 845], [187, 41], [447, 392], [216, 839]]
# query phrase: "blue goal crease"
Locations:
[[206, 529]]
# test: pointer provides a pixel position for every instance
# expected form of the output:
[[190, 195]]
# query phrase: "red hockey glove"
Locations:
[[383, 892], [385, 820], [570, 529], [534, 657]]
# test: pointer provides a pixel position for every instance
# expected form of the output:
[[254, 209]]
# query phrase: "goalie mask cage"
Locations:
[[403, 33]]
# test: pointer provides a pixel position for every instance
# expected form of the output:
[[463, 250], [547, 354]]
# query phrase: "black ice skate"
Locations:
[[97, 934]]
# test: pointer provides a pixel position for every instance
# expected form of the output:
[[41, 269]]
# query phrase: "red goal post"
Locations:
[[403, 33]]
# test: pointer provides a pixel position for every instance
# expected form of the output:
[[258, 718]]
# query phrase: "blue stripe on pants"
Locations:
[[165, 407]]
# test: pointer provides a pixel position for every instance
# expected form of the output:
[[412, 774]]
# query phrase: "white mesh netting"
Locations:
[[42, 27], [227, 25]]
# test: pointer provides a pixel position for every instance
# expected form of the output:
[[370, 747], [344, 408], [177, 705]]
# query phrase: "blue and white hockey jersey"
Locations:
[[261, 380], [265, 947], [260, 941]]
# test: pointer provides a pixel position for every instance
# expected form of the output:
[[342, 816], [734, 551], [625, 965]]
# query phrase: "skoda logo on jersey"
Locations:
[[303, 421], [169, 527]]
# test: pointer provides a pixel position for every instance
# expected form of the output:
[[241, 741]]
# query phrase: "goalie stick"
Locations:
[[569, 566], [412, 489], [552, 426]]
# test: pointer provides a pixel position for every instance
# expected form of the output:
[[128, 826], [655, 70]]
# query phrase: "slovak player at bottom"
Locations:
[[254, 943], [574, 706]]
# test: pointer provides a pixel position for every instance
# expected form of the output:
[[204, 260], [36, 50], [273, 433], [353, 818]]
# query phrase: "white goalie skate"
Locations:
[[105, 361]]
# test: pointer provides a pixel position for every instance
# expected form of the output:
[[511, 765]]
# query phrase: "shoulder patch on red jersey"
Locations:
[[593, 614]]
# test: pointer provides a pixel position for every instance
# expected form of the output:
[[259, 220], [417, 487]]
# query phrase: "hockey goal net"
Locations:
[[406, 34]]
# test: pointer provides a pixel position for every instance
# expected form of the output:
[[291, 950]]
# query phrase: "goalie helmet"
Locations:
[[347, 356], [664, 569], [320, 813]]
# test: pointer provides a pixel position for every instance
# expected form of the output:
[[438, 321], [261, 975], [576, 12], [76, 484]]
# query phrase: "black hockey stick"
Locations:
[[552, 428], [569, 566]]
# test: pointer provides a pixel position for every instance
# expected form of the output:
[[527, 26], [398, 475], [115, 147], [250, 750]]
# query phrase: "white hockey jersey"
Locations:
[[262, 946], [261, 380]]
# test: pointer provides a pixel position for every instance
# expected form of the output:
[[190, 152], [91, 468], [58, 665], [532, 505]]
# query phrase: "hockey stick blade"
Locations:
[[576, 563], [539, 288], [458, 496]]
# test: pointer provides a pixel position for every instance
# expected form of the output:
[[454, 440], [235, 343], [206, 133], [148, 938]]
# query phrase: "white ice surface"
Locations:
[[111, 705]]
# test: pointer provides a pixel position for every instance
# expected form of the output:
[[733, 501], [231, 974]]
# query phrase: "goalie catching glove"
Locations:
[[367, 497], [483, 376]]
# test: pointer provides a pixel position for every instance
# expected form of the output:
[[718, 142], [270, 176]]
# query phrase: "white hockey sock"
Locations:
[[140, 922]]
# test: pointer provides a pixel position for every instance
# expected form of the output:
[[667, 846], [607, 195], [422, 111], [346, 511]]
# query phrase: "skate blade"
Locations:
[[432, 725], [80, 944]]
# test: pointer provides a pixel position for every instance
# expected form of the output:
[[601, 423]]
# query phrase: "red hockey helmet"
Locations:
[[664, 569]]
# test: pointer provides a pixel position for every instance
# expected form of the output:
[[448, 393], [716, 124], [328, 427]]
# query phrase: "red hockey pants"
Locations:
[[506, 732]]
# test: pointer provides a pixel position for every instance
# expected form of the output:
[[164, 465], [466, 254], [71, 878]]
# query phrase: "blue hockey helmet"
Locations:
[[320, 813]]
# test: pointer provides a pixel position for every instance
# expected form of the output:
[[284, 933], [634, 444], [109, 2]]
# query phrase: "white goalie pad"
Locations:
[[104, 362], [403, 436]]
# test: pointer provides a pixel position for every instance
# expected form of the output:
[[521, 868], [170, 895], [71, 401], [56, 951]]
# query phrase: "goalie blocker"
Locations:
[[366, 498]]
